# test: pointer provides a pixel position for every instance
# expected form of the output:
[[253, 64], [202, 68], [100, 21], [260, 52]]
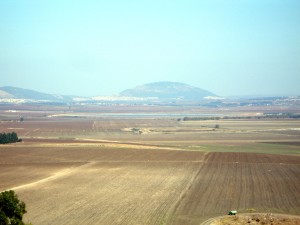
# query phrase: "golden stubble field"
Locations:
[[150, 170]]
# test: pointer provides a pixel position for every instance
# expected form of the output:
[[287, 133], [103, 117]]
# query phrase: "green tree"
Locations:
[[9, 137], [14, 137], [6, 138], [3, 219], [3, 138], [11, 209]]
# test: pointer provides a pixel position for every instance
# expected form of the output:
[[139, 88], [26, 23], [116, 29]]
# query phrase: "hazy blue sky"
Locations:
[[86, 47]]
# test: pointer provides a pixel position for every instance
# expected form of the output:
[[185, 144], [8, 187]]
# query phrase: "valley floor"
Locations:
[[150, 170]]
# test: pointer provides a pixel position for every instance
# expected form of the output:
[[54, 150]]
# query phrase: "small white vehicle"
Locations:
[[232, 212]]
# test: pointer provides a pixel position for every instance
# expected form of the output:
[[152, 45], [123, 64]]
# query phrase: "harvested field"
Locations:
[[156, 130], [98, 185], [111, 193], [81, 167]]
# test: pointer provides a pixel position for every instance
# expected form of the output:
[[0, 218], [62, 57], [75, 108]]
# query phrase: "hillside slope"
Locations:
[[167, 90], [21, 93]]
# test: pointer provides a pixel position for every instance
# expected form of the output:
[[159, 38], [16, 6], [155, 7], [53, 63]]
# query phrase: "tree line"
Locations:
[[264, 116], [6, 138]]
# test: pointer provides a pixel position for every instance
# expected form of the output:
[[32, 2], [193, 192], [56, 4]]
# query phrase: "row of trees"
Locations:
[[264, 116], [6, 138]]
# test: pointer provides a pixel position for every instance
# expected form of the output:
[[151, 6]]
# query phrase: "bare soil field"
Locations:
[[79, 166], [243, 182], [159, 130], [276, 136], [98, 185]]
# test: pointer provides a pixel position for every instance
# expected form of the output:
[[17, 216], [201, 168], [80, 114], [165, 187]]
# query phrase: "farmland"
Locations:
[[84, 168]]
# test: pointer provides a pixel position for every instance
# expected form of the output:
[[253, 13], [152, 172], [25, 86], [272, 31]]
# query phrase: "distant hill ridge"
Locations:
[[21, 93], [157, 90], [167, 90]]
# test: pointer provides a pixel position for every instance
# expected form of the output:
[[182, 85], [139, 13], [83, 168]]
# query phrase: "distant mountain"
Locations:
[[160, 91], [167, 90], [20, 93]]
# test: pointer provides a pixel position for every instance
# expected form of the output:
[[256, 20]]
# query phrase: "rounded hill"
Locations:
[[167, 90]]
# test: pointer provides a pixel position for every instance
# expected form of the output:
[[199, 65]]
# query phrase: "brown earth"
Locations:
[[98, 185], [155, 130], [241, 181], [88, 169]]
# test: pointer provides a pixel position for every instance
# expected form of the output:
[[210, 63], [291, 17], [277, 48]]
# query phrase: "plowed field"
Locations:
[[243, 182], [96, 185], [100, 185]]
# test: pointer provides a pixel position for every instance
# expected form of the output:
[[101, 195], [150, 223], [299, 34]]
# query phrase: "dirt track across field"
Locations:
[[89, 169]]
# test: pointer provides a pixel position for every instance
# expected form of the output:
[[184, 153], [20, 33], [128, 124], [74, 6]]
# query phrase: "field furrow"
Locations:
[[226, 185], [110, 193], [101, 185]]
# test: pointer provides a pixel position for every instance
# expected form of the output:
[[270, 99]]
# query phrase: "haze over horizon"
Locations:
[[90, 48]]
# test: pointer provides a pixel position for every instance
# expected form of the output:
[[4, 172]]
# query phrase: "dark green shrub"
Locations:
[[11, 209]]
